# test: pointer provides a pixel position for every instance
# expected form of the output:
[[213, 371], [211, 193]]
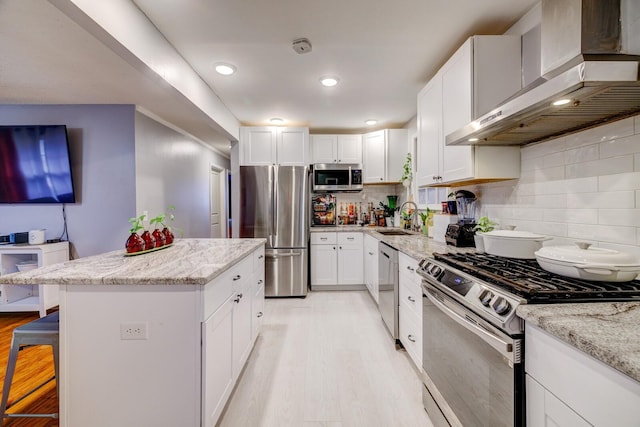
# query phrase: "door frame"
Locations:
[[223, 190]]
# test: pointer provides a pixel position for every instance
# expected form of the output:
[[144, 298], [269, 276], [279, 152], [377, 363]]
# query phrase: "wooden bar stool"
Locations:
[[42, 331]]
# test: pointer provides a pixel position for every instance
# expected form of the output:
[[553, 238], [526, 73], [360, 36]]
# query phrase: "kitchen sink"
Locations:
[[394, 232]]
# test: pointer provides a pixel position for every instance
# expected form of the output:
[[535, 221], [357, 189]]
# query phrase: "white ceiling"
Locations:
[[382, 51]]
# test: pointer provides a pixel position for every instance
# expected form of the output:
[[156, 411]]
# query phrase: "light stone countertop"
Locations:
[[416, 245], [609, 332], [187, 262]]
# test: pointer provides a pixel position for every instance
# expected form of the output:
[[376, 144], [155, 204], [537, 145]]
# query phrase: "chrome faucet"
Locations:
[[414, 215]]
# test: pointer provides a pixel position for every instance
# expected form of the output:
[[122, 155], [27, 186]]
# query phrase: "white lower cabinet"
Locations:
[[217, 362], [336, 259], [242, 328], [544, 409], [410, 300], [567, 387], [38, 298], [371, 265]]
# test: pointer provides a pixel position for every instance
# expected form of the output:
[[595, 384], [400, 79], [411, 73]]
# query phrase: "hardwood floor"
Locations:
[[326, 360], [34, 366]]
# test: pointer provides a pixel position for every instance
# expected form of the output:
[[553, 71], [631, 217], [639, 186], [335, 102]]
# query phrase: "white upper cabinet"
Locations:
[[270, 145], [484, 71], [336, 148], [384, 153]]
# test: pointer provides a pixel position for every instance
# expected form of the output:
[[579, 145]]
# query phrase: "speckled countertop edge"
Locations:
[[609, 332], [187, 262]]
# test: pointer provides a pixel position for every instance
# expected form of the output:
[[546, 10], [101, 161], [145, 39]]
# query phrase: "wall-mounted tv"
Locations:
[[35, 165]]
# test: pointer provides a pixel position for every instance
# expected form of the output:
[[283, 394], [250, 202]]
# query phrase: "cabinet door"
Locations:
[[349, 148], [257, 306], [242, 330], [546, 410], [457, 104], [259, 145], [371, 265], [324, 148], [350, 264], [374, 157], [430, 132], [217, 362], [324, 265], [292, 146]]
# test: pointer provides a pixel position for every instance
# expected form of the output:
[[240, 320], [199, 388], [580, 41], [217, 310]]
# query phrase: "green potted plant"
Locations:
[[388, 213], [426, 217], [483, 225], [407, 173]]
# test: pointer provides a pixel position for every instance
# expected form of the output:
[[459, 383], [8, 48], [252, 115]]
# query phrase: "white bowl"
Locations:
[[26, 266], [512, 243], [583, 262]]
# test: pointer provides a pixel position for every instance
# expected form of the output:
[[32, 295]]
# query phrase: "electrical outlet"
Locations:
[[133, 331]]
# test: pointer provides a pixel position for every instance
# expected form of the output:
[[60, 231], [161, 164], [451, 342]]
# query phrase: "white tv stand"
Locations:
[[30, 297]]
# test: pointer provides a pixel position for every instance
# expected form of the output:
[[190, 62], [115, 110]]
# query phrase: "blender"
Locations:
[[461, 233]]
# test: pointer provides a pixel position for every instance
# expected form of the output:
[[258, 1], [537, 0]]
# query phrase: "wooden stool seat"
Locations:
[[42, 331]]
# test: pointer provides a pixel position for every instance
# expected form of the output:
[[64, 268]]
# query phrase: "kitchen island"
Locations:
[[156, 339]]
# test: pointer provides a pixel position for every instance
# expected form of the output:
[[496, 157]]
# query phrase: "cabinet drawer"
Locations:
[[349, 238], [407, 264], [324, 238], [258, 259], [411, 335], [412, 298], [221, 288]]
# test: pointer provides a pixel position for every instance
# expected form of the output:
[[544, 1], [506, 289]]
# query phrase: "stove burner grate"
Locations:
[[528, 280]]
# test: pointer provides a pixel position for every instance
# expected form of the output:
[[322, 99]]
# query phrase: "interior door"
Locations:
[[214, 203]]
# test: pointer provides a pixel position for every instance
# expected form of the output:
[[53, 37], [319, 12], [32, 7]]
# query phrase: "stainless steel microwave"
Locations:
[[337, 177]]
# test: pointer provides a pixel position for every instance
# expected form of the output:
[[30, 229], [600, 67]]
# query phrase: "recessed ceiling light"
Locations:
[[277, 121], [225, 69], [560, 102], [472, 139], [329, 81], [370, 122]]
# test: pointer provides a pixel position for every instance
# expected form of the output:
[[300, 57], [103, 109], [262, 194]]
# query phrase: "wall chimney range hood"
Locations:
[[590, 60]]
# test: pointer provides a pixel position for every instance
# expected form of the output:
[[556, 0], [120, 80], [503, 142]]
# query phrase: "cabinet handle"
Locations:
[[380, 179], [334, 248], [351, 238], [323, 238], [236, 278], [410, 269], [411, 338], [237, 300], [340, 247], [261, 256], [259, 314], [370, 253], [260, 282], [411, 299], [240, 295]]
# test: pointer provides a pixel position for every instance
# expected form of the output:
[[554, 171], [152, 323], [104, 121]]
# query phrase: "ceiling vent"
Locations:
[[302, 46]]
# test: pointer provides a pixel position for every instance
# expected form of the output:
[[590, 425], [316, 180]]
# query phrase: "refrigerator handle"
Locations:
[[274, 207]]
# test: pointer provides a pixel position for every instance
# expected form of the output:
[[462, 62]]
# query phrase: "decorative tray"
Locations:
[[147, 251]]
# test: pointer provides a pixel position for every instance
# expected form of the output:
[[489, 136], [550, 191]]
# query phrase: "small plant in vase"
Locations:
[[149, 240], [134, 242], [484, 225], [407, 173], [157, 234], [426, 217]]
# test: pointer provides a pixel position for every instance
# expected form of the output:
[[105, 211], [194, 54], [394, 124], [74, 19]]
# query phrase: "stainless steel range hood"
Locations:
[[589, 57]]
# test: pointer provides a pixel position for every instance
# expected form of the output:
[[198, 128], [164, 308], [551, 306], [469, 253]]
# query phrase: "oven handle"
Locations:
[[492, 340]]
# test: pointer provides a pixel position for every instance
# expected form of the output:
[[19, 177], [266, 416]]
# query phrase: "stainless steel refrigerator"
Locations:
[[274, 203]]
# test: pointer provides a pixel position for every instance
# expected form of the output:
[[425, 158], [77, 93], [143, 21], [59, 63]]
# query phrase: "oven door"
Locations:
[[473, 372]]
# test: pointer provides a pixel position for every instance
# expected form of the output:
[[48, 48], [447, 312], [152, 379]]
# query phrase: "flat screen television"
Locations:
[[35, 165]]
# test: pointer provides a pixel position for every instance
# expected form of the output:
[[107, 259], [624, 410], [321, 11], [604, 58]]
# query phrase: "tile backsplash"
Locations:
[[581, 187]]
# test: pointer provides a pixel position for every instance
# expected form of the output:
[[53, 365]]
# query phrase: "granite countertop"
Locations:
[[416, 245], [187, 262], [610, 332]]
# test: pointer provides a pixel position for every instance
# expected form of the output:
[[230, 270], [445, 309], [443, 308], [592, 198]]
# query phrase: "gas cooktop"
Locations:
[[527, 280]]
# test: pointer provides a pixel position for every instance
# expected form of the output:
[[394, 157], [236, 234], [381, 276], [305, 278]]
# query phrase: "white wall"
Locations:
[[581, 187], [173, 169], [101, 139]]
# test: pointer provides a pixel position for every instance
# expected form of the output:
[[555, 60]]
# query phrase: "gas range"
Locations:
[[493, 287]]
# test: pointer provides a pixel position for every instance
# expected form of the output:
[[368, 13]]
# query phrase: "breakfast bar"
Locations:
[[155, 339]]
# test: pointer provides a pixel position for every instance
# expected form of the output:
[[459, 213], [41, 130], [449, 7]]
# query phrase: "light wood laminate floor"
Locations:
[[326, 360]]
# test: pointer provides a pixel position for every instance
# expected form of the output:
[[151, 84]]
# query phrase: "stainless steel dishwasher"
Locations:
[[388, 287]]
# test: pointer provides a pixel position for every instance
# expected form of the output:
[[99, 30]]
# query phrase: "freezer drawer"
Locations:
[[286, 272]]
